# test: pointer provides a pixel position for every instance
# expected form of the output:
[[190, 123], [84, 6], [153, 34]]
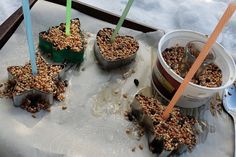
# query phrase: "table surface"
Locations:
[[93, 124]]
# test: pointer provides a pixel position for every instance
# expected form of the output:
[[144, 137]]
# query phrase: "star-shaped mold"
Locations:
[[36, 90]]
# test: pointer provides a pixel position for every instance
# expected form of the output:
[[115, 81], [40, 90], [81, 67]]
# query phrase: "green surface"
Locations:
[[61, 55]]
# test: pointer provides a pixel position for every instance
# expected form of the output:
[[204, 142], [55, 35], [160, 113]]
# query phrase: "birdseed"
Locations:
[[123, 46], [57, 36], [45, 81], [176, 130], [210, 77]]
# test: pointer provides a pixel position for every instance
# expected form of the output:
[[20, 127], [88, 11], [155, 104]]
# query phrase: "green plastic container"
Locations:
[[44, 45], [60, 56]]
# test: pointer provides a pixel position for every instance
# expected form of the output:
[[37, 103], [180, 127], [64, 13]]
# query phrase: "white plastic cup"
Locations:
[[166, 81]]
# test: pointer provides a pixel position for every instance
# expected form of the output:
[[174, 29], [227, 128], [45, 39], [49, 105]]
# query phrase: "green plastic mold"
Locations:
[[64, 55]]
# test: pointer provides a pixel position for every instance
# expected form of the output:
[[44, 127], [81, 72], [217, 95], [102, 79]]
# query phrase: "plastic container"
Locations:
[[166, 81], [63, 55], [60, 56]]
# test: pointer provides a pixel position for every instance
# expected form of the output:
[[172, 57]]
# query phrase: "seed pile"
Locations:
[[174, 131], [7, 88], [56, 35], [45, 81], [211, 76], [137, 130], [34, 103], [123, 47]]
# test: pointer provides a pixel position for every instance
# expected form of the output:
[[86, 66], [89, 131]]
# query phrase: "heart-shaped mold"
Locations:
[[111, 55]]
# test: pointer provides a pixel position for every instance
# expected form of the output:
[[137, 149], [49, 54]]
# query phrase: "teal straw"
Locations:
[[122, 18], [27, 19], [68, 16]]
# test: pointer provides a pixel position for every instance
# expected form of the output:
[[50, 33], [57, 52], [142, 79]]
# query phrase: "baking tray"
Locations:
[[93, 123]]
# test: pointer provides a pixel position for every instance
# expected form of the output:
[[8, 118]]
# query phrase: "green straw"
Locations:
[[121, 21], [68, 16]]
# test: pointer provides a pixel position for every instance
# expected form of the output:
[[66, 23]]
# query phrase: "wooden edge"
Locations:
[[105, 15], [11, 24]]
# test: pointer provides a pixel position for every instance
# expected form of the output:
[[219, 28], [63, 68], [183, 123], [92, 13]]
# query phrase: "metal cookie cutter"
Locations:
[[156, 144], [111, 64], [63, 55], [48, 97]]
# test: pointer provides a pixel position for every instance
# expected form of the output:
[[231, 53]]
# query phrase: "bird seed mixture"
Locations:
[[123, 46], [45, 81], [57, 36], [176, 130], [211, 76]]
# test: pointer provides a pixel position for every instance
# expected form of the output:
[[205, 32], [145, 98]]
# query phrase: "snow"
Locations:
[[7, 8], [197, 15]]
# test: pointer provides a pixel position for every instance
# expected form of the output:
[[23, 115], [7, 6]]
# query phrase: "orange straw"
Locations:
[[204, 52]]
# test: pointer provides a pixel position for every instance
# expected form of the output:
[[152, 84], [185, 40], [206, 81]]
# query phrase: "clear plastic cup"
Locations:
[[191, 52]]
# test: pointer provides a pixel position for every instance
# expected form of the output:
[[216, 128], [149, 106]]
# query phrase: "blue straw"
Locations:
[[27, 19]]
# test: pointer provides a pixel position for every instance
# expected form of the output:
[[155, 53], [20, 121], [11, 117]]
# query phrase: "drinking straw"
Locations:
[[68, 16], [204, 52], [27, 19], [122, 18]]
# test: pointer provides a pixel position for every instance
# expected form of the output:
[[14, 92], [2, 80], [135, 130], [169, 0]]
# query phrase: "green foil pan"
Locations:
[[64, 55]]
